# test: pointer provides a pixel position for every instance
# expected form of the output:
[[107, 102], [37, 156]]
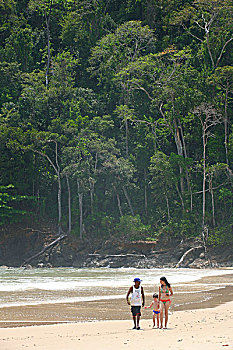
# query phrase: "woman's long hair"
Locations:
[[165, 280]]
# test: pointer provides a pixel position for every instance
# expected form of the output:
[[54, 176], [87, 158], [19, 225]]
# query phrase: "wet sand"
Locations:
[[207, 292]]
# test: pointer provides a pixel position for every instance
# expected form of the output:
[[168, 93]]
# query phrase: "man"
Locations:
[[137, 301]]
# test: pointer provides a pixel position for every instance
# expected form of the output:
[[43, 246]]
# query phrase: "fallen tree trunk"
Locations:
[[116, 255], [185, 254], [51, 245]]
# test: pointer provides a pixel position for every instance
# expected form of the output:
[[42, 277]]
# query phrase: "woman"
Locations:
[[165, 291]]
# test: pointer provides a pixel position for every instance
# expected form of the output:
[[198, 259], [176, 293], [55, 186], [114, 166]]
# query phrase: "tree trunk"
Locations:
[[205, 234], [92, 187], [187, 173], [153, 130], [208, 47], [145, 193], [80, 200], [59, 189], [180, 152], [168, 208], [69, 204], [48, 59], [44, 249], [58, 173], [59, 203], [212, 197], [127, 138], [92, 184], [204, 180], [128, 200], [226, 126], [119, 204], [181, 198], [204, 227], [47, 19], [191, 200], [118, 201], [212, 118], [185, 254]]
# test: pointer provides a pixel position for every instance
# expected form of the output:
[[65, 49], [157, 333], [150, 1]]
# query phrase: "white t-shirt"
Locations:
[[136, 297]]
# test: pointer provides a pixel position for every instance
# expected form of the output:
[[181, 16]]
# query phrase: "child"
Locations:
[[156, 310], [137, 300]]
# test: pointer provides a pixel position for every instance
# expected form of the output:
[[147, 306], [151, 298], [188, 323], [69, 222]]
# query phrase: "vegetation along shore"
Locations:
[[116, 128]]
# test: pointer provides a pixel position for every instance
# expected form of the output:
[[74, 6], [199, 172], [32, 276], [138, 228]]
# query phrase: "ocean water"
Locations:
[[67, 285]]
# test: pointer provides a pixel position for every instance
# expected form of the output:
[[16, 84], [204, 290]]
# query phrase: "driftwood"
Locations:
[[115, 255], [185, 254], [52, 244]]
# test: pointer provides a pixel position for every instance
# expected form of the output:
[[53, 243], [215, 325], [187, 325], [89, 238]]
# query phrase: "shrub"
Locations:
[[132, 228]]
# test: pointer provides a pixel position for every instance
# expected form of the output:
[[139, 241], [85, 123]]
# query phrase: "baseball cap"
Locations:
[[137, 279]]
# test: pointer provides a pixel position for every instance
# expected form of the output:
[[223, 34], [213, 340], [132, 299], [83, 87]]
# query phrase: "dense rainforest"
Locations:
[[116, 117]]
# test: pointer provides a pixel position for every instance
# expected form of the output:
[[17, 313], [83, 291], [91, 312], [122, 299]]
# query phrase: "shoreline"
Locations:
[[210, 328], [187, 296]]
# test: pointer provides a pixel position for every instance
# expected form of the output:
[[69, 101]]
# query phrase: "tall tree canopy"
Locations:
[[116, 117]]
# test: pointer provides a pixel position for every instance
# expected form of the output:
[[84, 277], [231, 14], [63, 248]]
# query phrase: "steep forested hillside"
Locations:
[[116, 116]]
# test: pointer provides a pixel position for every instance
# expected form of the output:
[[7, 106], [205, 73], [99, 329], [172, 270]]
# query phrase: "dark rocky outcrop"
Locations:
[[19, 245]]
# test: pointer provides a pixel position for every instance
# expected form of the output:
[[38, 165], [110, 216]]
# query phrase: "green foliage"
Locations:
[[132, 228], [221, 237], [130, 41], [209, 23], [104, 105], [185, 228], [9, 209]]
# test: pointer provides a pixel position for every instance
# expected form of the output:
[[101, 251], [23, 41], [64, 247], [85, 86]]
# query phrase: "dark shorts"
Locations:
[[136, 310]]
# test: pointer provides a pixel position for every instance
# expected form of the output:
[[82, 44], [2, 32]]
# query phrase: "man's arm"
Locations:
[[143, 297], [127, 296]]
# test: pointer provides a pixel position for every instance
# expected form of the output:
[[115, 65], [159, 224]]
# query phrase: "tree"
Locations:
[[45, 139], [120, 176], [9, 210], [222, 79], [42, 106], [114, 51], [126, 114], [169, 82], [212, 172], [45, 8], [10, 79], [163, 180], [208, 118], [209, 22]]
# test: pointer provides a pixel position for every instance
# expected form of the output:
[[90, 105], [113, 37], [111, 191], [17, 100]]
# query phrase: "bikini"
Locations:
[[166, 292]]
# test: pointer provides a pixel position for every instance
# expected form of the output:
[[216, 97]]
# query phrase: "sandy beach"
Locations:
[[200, 317], [209, 329]]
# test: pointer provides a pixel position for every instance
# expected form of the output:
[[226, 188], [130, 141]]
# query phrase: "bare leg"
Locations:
[[138, 319], [134, 321], [166, 312], [153, 320], [161, 314], [157, 320]]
